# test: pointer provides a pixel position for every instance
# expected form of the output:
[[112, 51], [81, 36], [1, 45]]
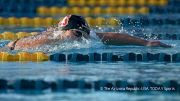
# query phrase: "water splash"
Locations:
[[65, 45]]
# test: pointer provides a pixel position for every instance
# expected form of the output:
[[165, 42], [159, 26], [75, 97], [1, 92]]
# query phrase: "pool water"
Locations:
[[51, 71], [90, 96], [154, 71], [128, 71]]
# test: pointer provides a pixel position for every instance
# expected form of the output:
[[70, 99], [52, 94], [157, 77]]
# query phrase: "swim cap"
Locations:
[[74, 22]]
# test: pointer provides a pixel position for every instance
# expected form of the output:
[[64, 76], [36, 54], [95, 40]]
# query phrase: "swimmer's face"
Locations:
[[70, 34], [79, 33], [76, 34]]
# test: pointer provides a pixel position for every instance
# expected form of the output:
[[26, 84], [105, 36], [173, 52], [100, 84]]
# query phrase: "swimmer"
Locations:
[[74, 27]]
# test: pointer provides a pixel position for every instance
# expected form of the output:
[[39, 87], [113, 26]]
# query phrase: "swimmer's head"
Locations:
[[74, 22]]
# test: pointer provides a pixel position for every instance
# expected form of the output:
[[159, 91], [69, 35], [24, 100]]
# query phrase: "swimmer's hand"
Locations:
[[157, 44]]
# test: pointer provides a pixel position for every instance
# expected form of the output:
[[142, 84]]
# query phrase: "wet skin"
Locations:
[[108, 38]]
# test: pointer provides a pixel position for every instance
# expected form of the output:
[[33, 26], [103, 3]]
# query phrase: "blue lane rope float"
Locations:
[[34, 3], [98, 85], [111, 57], [90, 57]]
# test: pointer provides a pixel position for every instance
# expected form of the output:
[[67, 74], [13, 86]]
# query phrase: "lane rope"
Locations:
[[91, 57], [98, 85]]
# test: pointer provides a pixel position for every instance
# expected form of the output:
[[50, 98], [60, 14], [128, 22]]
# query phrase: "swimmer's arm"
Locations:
[[110, 38], [44, 38], [31, 41]]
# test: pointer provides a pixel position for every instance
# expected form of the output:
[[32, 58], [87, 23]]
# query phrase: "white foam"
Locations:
[[66, 44]]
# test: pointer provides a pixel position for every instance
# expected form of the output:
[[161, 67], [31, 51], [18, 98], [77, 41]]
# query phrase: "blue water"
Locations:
[[90, 96], [51, 71], [90, 71]]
